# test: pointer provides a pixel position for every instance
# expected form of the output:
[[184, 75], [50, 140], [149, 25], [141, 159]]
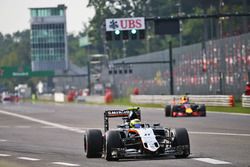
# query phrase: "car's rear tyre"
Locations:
[[202, 110], [168, 110], [180, 140], [93, 143], [112, 141]]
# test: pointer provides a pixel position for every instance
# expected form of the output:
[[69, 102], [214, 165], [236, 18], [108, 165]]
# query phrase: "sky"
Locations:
[[15, 14]]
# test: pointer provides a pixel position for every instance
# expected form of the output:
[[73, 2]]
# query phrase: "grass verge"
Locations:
[[9, 164], [126, 102], [236, 109]]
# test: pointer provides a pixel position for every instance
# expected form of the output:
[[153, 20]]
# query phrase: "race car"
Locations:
[[185, 108], [139, 140], [9, 98]]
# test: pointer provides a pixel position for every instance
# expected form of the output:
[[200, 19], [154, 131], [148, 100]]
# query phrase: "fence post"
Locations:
[[171, 69]]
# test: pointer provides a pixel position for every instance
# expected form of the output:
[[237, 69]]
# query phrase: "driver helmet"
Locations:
[[132, 115], [184, 99], [135, 123]]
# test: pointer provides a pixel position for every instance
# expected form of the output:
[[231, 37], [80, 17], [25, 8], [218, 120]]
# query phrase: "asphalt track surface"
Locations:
[[38, 135]]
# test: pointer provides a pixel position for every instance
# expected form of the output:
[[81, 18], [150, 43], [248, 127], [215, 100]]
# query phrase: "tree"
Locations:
[[77, 55], [193, 30]]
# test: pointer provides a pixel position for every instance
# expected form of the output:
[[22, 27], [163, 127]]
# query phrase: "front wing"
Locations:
[[180, 111], [133, 153], [183, 114]]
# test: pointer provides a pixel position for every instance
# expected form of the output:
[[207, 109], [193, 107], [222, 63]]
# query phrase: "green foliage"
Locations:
[[14, 51], [193, 30]]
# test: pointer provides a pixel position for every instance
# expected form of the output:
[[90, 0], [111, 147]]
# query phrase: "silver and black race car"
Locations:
[[141, 141]]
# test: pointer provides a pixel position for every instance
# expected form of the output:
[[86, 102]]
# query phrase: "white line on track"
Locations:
[[65, 164], [42, 122], [222, 134], [3, 140], [5, 155], [28, 159], [48, 127], [23, 127], [212, 161]]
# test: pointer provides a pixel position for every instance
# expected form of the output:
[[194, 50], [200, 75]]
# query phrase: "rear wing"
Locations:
[[118, 113]]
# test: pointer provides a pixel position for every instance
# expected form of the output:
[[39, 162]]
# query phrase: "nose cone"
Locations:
[[189, 110]]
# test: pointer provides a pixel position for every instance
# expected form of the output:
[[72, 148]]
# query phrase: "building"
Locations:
[[49, 39]]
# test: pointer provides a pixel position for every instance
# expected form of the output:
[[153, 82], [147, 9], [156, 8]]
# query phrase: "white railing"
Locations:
[[59, 97], [209, 100], [95, 99], [245, 100], [47, 97]]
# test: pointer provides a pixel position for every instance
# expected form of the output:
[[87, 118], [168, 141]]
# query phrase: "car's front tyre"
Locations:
[[93, 143], [202, 110], [112, 142], [180, 140], [168, 110]]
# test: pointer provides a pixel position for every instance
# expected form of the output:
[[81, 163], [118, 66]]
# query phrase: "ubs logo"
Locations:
[[113, 24]]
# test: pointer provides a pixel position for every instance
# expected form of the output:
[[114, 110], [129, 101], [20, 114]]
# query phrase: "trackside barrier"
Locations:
[[59, 97], [245, 100], [209, 100], [47, 97], [95, 99]]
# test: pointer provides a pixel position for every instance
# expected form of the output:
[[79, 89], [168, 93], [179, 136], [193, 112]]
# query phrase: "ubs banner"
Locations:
[[122, 24]]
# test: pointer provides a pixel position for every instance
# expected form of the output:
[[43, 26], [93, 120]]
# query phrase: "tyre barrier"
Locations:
[[208, 100], [108, 98], [95, 99], [60, 97], [46, 97], [245, 100]]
